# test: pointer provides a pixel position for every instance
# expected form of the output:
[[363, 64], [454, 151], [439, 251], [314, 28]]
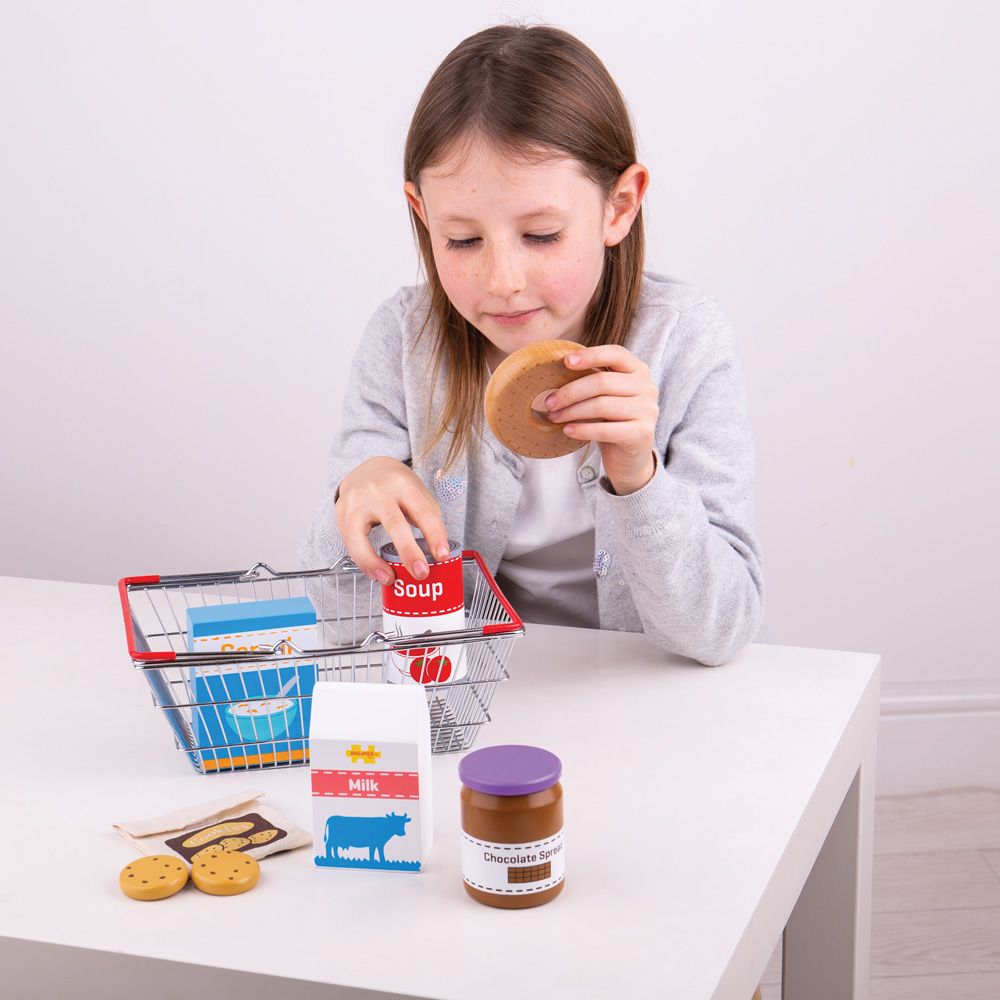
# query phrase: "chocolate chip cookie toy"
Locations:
[[225, 873], [153, 877], [515, 399]]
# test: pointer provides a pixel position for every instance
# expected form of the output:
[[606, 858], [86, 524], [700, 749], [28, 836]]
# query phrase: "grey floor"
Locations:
[[935, 899]]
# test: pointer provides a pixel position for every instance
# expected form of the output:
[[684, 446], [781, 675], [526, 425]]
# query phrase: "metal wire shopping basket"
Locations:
[[196, 690]]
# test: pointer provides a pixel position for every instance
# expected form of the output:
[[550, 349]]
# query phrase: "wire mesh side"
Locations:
[[201, 692]]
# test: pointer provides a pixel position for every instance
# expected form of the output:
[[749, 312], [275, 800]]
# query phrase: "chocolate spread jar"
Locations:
[[512, 826]]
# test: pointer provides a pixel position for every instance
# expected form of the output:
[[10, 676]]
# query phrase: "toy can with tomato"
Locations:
[[412, 607]]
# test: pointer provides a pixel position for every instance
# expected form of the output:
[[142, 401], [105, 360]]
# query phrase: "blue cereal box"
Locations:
[[252, 713], [371, 776]]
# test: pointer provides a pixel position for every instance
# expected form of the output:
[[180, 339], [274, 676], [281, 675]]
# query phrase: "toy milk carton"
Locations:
[[371, 776], [252, 713]]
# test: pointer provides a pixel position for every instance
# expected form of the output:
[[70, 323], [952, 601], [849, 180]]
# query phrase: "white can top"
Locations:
[[389, 553]]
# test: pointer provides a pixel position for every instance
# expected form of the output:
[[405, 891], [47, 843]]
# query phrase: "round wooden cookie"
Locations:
[[515, 394], [153, 877], [225, 873]]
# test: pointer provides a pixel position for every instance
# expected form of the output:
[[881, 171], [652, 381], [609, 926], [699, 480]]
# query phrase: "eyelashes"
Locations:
[[538, 240]]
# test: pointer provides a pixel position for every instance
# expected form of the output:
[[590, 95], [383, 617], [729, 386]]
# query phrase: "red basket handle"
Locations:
[[515, 624], [123, 585]]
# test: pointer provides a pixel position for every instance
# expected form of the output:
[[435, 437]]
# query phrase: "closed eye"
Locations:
[[537, 239]]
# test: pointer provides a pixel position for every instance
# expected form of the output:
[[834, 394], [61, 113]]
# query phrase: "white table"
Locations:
[[706, 808]]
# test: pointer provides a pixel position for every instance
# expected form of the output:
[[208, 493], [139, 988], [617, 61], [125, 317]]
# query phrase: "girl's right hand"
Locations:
[[387, 492]]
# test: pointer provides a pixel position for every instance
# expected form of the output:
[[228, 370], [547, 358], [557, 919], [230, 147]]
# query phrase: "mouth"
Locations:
[[515, 317]]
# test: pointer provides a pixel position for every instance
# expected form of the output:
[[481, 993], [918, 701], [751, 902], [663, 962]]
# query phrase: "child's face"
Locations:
[[495, 256]]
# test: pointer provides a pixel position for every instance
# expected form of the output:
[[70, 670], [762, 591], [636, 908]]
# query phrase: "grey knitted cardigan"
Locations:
[[677, 560]]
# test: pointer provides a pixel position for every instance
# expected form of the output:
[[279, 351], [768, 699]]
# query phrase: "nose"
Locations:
[[505, 277]]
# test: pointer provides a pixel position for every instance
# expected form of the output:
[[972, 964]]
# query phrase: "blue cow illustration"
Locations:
[[372, 832]]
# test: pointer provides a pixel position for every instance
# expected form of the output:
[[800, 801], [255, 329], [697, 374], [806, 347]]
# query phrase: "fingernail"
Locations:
[[574, 359], [383, 577], [569, 429], [419, 569], [550, 400], [443, 552]]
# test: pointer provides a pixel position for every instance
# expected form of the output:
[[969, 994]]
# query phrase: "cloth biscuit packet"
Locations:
[[236, 823]]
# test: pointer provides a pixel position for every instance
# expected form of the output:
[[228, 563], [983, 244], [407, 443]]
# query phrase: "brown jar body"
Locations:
[[513, 819]]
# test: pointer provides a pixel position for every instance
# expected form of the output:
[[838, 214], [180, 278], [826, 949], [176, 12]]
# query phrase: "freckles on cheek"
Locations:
[[564, 286], [450, 275], [455, 279], [456, 270]]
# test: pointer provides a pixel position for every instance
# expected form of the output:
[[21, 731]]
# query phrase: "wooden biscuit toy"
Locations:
[[515, 399], [153, 877], [225, 873]]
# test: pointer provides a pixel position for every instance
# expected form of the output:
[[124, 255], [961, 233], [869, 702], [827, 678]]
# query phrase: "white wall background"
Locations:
[[200, 207]]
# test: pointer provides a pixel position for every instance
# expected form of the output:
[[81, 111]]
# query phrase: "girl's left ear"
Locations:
[[624, 204]]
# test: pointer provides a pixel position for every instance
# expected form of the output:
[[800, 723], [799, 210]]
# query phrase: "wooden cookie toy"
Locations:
[[515, 399], [153, 877], [225, 873]]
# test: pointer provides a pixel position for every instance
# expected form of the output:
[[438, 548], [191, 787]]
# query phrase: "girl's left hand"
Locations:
[[617, 408]]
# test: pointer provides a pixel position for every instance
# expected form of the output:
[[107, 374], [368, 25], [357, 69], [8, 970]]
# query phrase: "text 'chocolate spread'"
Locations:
[[512, 826]]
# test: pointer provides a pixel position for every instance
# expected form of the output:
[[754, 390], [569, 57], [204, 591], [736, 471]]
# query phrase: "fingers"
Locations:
[[607, 395], [613, 356], [620, 432], [617, 406], [399, 530], [354, 531], [356, 536], [427, 517], [384, 492], [397, 524], [598, 384]]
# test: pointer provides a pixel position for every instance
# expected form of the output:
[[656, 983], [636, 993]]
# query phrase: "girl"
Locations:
[[526, 202]]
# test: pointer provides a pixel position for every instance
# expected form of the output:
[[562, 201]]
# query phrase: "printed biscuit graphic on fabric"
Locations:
[[251, 828]]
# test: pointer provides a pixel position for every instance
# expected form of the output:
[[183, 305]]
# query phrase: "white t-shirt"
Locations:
[[547, 568]]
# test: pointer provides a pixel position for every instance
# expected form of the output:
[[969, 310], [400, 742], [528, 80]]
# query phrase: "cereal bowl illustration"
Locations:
[[262, 720]]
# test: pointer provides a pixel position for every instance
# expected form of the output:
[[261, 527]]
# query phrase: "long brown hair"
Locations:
[[530, 91]]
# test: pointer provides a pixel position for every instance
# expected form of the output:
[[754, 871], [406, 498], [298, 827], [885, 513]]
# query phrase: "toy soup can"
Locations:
[[412, 606], [512, 826]]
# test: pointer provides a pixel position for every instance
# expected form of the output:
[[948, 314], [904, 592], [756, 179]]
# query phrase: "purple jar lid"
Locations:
[[510, 769]]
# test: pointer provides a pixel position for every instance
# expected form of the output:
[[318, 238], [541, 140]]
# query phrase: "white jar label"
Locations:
[[513, 869]]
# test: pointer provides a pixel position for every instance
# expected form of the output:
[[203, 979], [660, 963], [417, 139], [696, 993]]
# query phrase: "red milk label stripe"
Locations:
[[366, 784]]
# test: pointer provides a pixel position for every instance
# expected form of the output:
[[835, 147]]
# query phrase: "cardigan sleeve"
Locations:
[[687, 537], [373, 422]]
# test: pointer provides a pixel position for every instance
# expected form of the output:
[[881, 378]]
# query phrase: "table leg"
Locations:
[[827, 939]]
